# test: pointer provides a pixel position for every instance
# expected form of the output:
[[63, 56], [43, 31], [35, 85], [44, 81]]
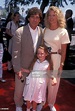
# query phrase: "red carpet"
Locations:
[[65, 98]]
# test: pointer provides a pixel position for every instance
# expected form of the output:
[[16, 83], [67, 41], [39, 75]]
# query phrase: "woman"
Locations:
[[11, 27], [9, 18], [56, 37]]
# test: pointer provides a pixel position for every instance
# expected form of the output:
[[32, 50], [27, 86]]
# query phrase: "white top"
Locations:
[[34, 34], [14, 27], [40, 65], [54, 38], [35, 88]]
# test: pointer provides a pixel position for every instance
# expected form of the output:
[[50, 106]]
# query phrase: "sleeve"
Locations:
[[8, 25], [64, 37], [16, 51]]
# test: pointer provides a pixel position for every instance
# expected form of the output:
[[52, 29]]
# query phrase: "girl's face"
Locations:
[[41, 54]]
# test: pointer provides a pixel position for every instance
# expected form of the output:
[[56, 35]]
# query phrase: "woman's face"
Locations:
[[17, 17], [52, 18]]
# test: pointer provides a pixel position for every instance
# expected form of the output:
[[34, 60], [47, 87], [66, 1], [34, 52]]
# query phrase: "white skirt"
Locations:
[[35, 89]]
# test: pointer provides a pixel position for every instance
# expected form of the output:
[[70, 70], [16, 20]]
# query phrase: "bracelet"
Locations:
[[62, 63]]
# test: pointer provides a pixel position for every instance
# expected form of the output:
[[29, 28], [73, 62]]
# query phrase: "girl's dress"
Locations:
[[36, 82]]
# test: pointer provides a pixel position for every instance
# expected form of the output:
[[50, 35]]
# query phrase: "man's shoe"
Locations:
[[52, 108], [18, 108], [10, 71]]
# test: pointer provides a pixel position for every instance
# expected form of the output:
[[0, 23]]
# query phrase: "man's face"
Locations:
[[34, 20]]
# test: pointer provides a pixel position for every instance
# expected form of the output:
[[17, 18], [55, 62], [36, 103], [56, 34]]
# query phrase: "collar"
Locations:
[[32, 29], [69, 18], [40, 62]]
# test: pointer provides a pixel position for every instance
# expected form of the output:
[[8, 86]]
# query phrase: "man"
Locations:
[[25, 43], [74, 23], [69, 24]]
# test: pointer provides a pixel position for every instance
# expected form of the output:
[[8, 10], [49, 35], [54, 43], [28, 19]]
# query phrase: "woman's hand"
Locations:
[[59, 51], [60, 68]]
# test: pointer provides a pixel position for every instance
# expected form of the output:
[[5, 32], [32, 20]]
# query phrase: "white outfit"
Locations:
[[54, 39], [36, 82], [14, 27], [1, 55]]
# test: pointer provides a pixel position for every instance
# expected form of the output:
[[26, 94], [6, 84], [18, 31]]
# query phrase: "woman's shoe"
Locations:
[[52, 108]]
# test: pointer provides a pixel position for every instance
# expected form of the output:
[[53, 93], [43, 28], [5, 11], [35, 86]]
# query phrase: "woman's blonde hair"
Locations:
[[61, 18]]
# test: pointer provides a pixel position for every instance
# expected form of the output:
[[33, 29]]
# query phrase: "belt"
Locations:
[[49, 51], [54, 53]]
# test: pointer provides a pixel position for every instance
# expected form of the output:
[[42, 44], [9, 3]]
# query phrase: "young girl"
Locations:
[[36, 82]]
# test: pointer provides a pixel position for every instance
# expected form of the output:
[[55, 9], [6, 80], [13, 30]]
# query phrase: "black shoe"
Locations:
[[10, 71]]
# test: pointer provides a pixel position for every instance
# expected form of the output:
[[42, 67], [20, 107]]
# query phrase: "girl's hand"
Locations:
[[54, 81], [25, 70]]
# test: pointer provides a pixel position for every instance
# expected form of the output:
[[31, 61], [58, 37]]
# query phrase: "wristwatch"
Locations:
[[62, 63]]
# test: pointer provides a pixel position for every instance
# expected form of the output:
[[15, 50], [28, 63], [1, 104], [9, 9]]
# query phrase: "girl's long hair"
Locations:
[[35, 57]]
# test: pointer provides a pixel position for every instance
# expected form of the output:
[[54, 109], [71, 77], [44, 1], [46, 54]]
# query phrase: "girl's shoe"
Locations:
[[18, 108], [39, 107]]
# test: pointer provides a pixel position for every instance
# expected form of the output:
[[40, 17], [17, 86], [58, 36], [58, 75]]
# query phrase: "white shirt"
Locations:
[[34, 34], [54, 38], [14, 27]]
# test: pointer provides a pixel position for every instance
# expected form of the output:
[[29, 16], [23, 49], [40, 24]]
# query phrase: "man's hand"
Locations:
[[19, 74]]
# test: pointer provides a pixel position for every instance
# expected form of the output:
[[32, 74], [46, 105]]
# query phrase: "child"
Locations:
[[36, 82]]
